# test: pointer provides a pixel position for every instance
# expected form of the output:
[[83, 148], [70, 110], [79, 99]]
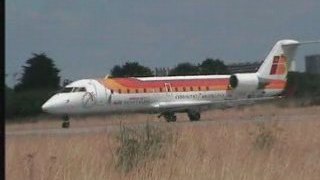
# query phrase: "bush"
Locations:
[[136, 145], [265, 135], [264, 138]]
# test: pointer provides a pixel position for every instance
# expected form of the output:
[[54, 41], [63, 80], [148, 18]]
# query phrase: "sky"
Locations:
[[87, 38]]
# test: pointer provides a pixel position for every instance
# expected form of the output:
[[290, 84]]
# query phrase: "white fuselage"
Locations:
[[99, 99], [168, 95]]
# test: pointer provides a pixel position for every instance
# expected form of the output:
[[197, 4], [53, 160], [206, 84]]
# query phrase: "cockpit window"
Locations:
[[79, 89], [73, 89], [66, 90]]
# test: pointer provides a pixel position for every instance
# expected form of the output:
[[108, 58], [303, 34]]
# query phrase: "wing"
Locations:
[[177, 106], [180, 106]]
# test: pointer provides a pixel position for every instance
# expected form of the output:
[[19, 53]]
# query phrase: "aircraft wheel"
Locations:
[[66, 122], [170, 117], [194, 116]]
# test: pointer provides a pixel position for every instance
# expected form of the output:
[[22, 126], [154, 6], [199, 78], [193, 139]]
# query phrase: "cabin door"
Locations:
[[99, 91], [168, 89]]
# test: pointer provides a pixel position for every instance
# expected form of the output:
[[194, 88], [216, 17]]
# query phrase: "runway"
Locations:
[[179, 124]]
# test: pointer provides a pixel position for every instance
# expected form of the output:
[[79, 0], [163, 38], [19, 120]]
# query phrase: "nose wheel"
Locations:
[[65, 122]]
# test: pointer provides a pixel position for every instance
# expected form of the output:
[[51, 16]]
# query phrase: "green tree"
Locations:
[[184, 69], [213, 66], [39, 73], [9, 95], [117, 71], [38, 82], [66, 82], [131, 69]]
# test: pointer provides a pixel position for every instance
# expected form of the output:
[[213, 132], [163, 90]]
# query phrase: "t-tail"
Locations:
[[272, 74], [279, 61]]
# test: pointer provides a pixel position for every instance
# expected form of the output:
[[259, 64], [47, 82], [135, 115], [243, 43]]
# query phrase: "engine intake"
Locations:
[[246, 83]]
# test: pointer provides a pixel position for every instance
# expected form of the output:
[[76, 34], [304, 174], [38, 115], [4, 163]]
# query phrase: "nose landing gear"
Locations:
[[65, 121]]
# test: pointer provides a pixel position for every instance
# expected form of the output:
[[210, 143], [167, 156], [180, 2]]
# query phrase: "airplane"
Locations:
[[167, 96]]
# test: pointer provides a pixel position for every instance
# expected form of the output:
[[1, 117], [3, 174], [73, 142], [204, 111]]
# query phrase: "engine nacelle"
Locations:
[[244, 83]]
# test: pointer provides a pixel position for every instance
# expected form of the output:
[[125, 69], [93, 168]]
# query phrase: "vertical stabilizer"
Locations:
[[279, 61]]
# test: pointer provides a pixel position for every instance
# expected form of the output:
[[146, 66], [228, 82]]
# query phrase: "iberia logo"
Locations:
[[279, 65]]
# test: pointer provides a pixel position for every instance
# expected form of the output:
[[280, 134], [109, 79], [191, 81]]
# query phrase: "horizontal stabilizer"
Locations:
[[300, 43], [309, 42]]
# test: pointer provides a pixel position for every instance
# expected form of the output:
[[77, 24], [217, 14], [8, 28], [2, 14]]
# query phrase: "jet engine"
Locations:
[[244, 83]]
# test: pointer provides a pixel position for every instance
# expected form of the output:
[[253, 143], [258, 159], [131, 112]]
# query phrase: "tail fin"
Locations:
[[279, 61]]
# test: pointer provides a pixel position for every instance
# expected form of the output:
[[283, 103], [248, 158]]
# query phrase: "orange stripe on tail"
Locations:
[[279, 65]]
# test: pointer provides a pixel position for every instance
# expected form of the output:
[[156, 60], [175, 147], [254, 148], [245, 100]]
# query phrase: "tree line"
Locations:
[[206, 67], [40, 80]]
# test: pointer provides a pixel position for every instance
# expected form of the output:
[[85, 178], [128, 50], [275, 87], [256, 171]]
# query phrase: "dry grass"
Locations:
[[225, 149]]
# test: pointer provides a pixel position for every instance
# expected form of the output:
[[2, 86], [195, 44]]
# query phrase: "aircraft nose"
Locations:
[[47, 106], [56, 105]]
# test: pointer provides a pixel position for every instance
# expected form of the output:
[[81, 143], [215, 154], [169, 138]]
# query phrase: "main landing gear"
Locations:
[[171, 117], [194, 115], [65, 121]]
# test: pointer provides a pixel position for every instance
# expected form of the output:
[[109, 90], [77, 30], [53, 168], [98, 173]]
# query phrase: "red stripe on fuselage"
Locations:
[[136, 83], [131, 85]]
